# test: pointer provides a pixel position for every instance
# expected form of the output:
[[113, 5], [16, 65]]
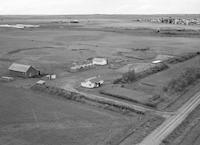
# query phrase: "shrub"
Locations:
[[179, 84], [129, 76], [183, 57]]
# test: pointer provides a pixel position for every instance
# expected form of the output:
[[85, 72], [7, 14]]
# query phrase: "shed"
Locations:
[[99, 61], [23, 70]]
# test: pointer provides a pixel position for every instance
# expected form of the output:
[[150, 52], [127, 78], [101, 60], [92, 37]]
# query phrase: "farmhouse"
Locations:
[[93, 82], [99, 61], [22, 70]]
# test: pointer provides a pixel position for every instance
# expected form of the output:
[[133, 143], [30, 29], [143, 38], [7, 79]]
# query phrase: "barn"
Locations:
[[22, 70]]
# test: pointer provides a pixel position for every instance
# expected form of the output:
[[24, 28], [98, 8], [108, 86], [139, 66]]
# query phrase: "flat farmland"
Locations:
[[53, 46], [29, 118], [127, 94], [162, 78]]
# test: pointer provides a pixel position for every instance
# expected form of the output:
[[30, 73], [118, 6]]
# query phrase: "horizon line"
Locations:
[[98, 14]]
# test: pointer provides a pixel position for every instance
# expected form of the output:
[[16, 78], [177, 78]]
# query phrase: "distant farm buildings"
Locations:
[[19, 26], [177, 21], [74, 21], [22, 70]]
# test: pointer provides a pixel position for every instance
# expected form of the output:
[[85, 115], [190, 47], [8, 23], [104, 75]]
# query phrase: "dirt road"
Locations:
[[156, 137], [119, 102]]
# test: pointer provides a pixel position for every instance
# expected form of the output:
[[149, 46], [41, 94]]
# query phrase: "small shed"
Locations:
[[51, 76], [99, 61], [22, 70]]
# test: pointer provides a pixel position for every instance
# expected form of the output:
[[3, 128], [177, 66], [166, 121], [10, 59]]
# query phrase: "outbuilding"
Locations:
[[99, 61], [22, 70]]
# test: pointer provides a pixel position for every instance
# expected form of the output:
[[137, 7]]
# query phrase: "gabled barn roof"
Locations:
[[19, 67]]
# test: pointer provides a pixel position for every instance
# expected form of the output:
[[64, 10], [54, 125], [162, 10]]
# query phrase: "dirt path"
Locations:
[[119, 102]]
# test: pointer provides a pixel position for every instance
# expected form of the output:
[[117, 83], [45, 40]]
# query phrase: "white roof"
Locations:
[[94, 79], [99, 59], [156, 61], [19, 67], [163, 57], [40, 82]]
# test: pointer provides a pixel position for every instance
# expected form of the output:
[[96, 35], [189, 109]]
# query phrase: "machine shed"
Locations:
[[22, 70]]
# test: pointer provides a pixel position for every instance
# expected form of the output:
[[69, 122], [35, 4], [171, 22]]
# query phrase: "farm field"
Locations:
[[31, 118], [127, 94]]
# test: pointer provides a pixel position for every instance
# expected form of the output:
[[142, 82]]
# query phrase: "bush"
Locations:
[[179, 84], [183, 58], [129, 76]]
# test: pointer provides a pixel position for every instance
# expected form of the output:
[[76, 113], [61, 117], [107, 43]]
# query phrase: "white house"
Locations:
[[99, 61], [93, 82]]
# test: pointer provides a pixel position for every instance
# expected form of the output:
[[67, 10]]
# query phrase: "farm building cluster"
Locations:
[[176, 21], [172, 20], [88, 64], [28, 71]]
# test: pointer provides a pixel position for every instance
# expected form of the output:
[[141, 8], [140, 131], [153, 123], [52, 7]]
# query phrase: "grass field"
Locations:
[[127, 94], [29, 118]]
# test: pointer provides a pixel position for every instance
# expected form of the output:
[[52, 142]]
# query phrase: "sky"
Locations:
[[10, 7]]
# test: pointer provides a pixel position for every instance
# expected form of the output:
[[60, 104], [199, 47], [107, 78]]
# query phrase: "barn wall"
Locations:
[[18, 74], [32, 72]]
